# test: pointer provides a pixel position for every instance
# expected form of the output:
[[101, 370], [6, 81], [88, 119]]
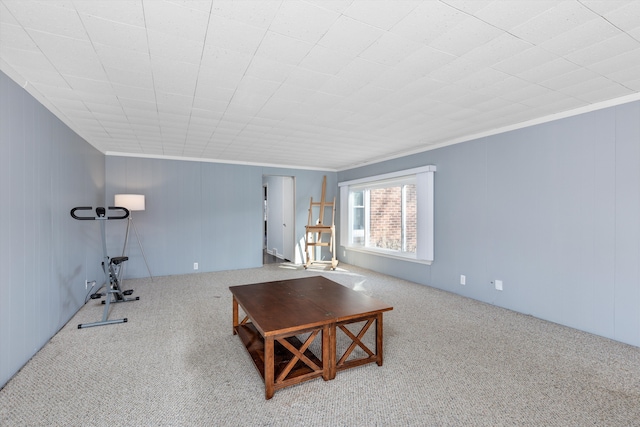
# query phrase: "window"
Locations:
[[356, 225], [390, 214], [384, 215]]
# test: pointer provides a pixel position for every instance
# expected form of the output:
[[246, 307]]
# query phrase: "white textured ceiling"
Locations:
[[314, 83]]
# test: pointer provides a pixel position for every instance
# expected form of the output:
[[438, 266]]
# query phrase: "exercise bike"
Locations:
[[112, 267]]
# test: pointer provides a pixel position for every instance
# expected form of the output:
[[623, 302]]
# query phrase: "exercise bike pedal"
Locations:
[[96, 296], [128, 292]]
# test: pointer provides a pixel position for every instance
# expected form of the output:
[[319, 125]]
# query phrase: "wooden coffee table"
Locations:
[[278, 313]]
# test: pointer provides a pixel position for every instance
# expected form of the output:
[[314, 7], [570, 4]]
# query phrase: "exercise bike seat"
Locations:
[[119, 259]]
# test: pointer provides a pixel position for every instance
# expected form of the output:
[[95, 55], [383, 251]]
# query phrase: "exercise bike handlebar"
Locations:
[[100, 213]]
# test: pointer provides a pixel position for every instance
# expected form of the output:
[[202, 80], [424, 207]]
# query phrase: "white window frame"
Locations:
[[424, 179]]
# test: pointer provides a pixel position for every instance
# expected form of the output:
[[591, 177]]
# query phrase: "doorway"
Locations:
[[279, 218]]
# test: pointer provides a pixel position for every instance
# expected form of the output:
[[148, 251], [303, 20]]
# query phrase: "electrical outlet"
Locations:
[[498, 285], [195, 265], [463, 279]]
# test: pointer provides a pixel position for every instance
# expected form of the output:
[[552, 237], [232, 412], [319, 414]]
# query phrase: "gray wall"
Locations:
[[209, 213], [553, 210], [45, 255]]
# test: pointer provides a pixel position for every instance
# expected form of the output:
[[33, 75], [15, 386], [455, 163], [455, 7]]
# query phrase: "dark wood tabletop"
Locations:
[[278, 306]]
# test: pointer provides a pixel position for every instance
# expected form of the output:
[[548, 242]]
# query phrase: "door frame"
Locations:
[[288, 253]]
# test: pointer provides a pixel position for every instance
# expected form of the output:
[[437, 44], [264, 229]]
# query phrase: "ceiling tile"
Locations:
[[16, 37], [176, 20], [541, 99], [226, 67], [604, 6], [626, 17], [390, 49], [324, 60], [360, 71], [89, 87], [428, 21], [620, 65], [571, 78], [232, 35], [69, 56], [169, 47], [33, 66], [350, 36], [504, 15], [128, 12], [547, 70], [125, 59], [423, 61], [465, 36], [302, 20], [47, 17], [266, 69], [481, 79], [116, 34], [525, 60], [292, 93], [133, 92], [177, 103], [517, 90], [457, 69], [341, 87], [166, 81], [258, 13], [563, 16], [130, 77], [579, 37], [607, 48], [384, 15], [306, 79], [338, 6], [283, 49]]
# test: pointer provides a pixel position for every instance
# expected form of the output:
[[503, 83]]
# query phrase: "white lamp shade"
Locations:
[[133, 202]]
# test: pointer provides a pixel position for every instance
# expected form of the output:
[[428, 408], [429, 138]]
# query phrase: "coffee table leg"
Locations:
[[332, 351], [328, 355], [269, 361], [234, 318], [379, 338]]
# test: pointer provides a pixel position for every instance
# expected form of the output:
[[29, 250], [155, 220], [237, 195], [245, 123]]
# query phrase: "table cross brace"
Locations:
[[356, 341], [298, 354]]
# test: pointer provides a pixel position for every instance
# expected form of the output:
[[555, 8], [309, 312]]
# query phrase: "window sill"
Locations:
[[388, 255]]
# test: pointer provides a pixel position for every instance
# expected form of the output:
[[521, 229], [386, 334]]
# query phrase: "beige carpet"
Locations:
[[449, 361]]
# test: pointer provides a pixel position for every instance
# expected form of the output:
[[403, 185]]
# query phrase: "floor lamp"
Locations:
[[133, 202]]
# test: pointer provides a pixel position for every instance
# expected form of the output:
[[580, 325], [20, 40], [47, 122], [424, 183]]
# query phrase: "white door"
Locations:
[[281, 216], [288, 217]]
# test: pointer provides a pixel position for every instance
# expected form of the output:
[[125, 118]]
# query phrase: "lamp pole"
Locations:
[[133, 202]]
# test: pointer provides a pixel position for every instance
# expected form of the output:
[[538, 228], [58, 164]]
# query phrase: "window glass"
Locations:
[[390, 215], [383, 216]]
